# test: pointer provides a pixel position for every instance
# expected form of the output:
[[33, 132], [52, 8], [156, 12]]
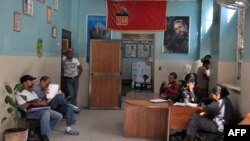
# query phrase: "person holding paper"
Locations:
[[48, 118], [214, 116], [57, 103]]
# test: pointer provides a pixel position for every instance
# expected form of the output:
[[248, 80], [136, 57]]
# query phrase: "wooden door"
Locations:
[[105, 74]]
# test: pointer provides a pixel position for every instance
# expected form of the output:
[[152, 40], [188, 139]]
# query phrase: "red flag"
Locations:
[[136, 14]]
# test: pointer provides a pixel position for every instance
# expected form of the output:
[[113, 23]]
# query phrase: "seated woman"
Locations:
[[170, 90], [214, 116], [187, 92]]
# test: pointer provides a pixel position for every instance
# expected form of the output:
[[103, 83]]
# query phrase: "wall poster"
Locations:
[[176, 37], [96, 29]]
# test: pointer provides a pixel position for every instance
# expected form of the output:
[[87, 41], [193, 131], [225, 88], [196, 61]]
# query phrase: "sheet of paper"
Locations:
[[192, 104], [185, 104], [53, 91], [157, 100], [179, 104]]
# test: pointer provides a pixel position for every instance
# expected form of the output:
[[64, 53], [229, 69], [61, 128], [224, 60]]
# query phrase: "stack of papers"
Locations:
[[157, 100], [53, 91], [185, 104]]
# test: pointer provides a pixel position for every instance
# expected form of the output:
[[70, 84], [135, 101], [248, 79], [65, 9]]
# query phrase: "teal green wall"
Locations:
[[206, 27], [98, 7], [228, 36], [246, 55], [183, 9], [88, 7], [32, 27], [72, 16]]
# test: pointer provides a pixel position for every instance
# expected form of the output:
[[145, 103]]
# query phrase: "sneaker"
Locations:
[[71, 132], [77, 110]]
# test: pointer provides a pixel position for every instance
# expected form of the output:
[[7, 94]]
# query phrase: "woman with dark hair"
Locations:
[[187, 93], [214, 116]]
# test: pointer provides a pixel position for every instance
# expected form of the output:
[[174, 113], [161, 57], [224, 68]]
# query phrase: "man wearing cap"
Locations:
[[48, 118]]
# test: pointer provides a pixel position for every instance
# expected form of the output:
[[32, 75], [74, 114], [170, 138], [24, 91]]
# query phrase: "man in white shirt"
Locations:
[[72, 70], [48, 118]]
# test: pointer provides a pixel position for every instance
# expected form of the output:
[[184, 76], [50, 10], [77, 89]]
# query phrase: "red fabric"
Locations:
[[170, 89], [136, 15]]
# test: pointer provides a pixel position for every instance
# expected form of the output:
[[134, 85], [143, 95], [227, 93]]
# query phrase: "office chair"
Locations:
[[33, 125]]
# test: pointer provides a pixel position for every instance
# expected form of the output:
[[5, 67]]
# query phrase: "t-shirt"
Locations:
[[70, 67], [30, 95]]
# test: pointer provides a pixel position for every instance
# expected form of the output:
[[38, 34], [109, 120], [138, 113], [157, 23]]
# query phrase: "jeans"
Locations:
[[60, 104], [72, 86], [48, 119]]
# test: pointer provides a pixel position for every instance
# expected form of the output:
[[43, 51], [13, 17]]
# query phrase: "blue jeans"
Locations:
[[60, 104], [48, 119], [72, 86]]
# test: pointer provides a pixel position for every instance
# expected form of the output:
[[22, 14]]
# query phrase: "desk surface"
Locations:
[[148, 104], [174, 117], [141, 96], [245, 121]]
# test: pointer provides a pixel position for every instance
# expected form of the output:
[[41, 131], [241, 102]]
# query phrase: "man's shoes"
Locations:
[[44, 138], [77, 110], [71, 132]]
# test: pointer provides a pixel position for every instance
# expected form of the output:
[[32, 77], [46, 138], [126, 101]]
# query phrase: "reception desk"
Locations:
[[144, 119]]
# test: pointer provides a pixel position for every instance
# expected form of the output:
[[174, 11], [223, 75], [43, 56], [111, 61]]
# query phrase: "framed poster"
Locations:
[[55, 5], [28, 7], [48, 14], [143, 51], [130, 50], [17, 21], [96, 29], [53, 31], [41, 1], [176, 37]]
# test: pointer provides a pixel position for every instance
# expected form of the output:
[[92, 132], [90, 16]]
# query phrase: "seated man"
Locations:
[[58, 103], [48, 118], [170, 90]]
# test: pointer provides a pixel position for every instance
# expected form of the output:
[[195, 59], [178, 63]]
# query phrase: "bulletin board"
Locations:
[[137, 45]]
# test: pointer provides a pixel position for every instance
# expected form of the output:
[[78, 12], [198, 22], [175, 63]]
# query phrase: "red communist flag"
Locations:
[[136, 14]]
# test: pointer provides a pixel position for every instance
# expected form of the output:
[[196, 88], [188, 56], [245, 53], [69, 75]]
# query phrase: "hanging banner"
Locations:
[[136, 14]]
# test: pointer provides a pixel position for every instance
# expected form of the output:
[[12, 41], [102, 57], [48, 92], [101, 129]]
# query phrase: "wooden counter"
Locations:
[[144, 119]]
